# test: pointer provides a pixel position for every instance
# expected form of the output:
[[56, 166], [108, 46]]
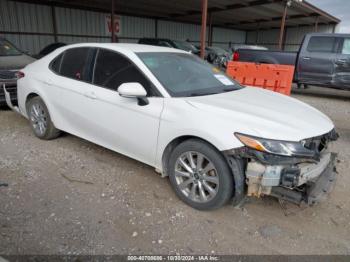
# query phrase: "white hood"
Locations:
[[266, 114]]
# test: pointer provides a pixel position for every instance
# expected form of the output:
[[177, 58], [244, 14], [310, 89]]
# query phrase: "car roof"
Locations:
[[135, 48]]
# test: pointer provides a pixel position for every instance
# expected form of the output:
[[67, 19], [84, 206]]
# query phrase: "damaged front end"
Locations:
[[306, 176]]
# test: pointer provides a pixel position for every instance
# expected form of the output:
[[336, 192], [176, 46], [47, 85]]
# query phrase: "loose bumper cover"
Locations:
[[8, 78], [305, 182]]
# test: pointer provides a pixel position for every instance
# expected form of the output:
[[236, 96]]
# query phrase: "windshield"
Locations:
[[7, 49], [185, 46], [184, 75]]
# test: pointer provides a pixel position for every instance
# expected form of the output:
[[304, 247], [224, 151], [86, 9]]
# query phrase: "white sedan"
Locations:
[[215, 139]]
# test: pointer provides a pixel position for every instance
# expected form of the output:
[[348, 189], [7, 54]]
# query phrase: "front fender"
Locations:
[[221, 141]]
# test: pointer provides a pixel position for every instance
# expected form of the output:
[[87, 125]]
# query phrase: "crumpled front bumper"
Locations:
[[314, 189], [307, 182], [319, 189]]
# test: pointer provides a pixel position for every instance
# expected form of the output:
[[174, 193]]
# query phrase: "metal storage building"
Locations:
[[31, 25]]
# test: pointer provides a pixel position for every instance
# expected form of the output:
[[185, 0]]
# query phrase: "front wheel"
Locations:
[[40, 120], [200, 175]]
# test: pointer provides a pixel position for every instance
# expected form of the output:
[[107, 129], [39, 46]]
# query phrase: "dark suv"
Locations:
[[183, 45], [11, 60]]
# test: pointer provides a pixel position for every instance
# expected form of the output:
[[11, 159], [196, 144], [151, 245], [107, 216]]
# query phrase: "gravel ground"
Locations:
[[69, 196]]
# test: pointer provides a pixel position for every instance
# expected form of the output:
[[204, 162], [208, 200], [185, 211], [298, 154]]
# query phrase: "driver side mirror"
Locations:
[[134, 90]]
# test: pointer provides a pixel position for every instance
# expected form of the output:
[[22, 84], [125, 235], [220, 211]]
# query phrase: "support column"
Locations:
[[283, 24], [54, 23], [113, 40], [204, 26]]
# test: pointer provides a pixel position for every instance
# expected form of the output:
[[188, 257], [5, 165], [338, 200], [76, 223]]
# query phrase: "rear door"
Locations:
[[317, 59], [75, 91], [342, 65]]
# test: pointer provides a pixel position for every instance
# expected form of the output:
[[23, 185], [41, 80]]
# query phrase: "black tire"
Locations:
[[50, 132], [226, 182]]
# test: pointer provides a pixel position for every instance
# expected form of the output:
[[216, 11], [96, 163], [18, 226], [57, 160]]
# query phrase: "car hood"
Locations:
[[15, 62], [263, 113]]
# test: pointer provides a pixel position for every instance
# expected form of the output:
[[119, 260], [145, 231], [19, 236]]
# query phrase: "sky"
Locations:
[[337, 8]]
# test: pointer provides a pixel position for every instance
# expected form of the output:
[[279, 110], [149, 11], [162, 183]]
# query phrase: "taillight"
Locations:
[[235, 56], [20, 75]]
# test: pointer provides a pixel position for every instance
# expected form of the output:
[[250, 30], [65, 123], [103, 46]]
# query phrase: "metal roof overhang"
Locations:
[[236, 14]]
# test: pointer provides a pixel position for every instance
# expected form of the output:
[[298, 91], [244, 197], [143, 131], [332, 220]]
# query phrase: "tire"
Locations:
[[190, 187], [40, 120]]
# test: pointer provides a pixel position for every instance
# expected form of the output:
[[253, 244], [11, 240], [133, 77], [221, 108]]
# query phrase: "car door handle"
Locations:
[[306, 58], [91, 95], [48, 82], [341, 62]]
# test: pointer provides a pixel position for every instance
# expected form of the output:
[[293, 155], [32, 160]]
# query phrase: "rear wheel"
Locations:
[[40, 120], [200, 175]]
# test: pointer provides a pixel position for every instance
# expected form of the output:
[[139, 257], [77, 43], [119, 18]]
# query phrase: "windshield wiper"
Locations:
[[230, 89], [203, 94]]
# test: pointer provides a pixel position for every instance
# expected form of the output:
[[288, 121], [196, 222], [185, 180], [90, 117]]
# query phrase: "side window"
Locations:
[[75, 63], [321, 44], [56, 64], [113, 69], [346, 47]]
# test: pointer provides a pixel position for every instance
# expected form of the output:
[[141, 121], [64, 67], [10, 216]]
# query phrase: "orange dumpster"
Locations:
[[277, 78]]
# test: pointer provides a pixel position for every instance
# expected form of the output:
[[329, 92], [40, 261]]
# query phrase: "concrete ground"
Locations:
[[69, 196]]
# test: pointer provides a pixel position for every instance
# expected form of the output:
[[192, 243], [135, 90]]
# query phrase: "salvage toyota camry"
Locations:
[[216, 140]]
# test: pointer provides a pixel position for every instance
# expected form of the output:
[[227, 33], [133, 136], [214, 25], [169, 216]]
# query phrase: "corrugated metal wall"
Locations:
[[223, 37], [268, 38], [92, 25], [294, 36], [23, 17], [179, 31], [75, 26]]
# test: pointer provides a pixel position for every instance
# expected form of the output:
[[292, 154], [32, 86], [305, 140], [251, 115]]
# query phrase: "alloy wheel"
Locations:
[[38, 118], [196, 177]]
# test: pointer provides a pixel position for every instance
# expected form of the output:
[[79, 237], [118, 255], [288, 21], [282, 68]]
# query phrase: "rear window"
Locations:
[[56, 64], [346, 47], [321, 44], [75, 63]]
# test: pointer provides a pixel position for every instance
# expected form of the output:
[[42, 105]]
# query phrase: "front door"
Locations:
[[120, 123], [73, 103], [316, 61], [342, 66]]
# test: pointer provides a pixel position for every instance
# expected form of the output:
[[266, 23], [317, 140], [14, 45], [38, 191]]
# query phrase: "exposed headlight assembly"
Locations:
[[277, 147]]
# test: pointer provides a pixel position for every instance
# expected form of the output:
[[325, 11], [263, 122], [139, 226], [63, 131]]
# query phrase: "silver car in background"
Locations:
[[11, 61]]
